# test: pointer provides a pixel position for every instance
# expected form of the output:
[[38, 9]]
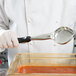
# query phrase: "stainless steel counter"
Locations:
[[3, 72]]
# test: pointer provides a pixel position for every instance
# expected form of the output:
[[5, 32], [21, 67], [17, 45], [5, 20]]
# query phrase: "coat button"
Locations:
[[57, 22], [29, 20]]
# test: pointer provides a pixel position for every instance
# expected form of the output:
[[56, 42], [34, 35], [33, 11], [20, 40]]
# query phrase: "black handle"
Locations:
[[24, 39]]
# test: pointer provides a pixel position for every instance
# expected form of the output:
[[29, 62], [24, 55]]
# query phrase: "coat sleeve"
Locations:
[[4, 20]]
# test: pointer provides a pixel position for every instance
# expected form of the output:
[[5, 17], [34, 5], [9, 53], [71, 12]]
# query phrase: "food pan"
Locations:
[[43, 64]]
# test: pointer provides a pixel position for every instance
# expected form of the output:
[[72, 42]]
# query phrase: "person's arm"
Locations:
[[4, 21], [8, 39]]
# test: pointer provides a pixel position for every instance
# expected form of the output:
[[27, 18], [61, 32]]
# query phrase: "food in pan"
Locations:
[[46, 69]]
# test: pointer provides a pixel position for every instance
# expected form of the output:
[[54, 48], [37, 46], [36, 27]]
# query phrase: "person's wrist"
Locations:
[[8, 39]]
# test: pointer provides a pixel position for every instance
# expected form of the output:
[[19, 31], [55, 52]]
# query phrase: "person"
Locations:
[[21, 18]]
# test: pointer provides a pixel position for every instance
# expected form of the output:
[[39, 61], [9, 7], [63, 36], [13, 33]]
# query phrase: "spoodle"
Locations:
[[61, 36]]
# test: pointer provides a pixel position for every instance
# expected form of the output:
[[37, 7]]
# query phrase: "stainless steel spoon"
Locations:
[[61, 36]]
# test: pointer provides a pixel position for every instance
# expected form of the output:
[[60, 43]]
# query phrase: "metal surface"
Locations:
[[4, 59], [62, 35], [3, 72], [3, 63]]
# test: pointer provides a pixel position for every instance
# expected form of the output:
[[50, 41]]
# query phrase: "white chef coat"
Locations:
[[36, 17]]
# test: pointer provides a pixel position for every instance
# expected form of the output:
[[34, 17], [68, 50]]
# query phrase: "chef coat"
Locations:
[[36, 17]]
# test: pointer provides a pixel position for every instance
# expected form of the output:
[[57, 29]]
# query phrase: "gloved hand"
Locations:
[[8, 39]]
